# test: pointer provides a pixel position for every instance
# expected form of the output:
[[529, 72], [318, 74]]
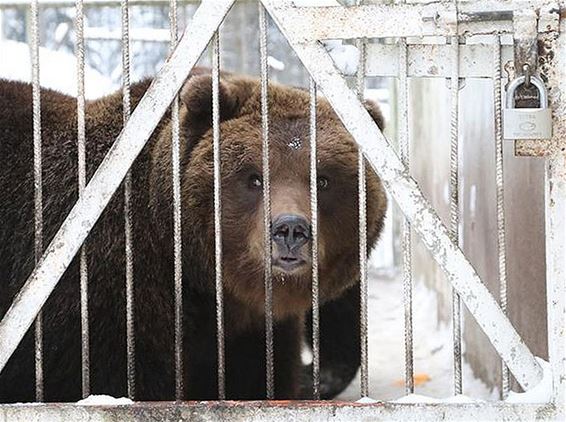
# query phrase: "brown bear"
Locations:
[[242, 228]]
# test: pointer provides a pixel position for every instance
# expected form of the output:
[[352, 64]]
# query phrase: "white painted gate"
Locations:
[[523, 21]]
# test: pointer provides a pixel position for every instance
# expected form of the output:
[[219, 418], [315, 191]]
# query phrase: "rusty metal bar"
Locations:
[[108, 176], [314, 233], [81, 144], [126, 112], [404, 149], [218, 214], [177, 241], [38, 186], [424, 220], [269, 373], [455, 208]]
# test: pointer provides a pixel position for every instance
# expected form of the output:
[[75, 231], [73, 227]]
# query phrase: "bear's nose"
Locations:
[[291, 230]]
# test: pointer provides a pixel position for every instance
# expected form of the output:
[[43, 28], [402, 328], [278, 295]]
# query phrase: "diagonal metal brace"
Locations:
[[423, 218], [108, 177]]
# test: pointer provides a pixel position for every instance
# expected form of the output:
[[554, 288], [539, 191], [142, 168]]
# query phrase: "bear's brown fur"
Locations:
[[242, 229]]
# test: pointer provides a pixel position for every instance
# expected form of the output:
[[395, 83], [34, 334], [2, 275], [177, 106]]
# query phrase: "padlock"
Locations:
[[527, 123]]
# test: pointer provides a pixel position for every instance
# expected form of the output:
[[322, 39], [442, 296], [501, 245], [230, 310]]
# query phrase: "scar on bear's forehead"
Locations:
[[295, 143]]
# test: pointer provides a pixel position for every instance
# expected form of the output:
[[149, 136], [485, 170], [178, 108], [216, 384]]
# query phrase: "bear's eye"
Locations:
[[322, 183], [254, 181]]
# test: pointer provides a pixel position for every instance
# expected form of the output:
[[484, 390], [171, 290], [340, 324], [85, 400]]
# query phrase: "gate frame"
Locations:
[[482, 305]]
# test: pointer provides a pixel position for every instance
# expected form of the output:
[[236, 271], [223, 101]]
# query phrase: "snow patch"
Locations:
[[275, 64], [29, 403], [58, 70], [416, 398], [306, 354], [366, 400], [104, 400], [540, 393], [345, 56]]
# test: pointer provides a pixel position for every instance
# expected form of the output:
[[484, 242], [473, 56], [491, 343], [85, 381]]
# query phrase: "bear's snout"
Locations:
[[290, 232]]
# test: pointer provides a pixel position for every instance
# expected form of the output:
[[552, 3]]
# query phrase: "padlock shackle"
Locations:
[[536, 81]]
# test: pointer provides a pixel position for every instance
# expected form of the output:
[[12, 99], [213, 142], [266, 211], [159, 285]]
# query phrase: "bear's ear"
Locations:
[[375, 112], [196, 97]]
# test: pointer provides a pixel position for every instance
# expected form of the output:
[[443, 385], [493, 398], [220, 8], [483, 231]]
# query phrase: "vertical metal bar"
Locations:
[[499, 185], [314, 229], [269, 374], [81, 144], [130, 335], [177, 245], [217, 213], [38, 186], [404, 149], [454, 210], [362, 234]]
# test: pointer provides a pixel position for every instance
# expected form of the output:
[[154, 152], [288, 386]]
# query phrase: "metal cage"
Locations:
[[495, 30]]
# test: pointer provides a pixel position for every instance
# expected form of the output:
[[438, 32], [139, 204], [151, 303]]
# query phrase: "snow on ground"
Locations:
[[58, 70], [104, 400], [433, 362]]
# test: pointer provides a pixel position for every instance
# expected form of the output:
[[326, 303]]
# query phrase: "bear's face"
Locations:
[[243, 243]]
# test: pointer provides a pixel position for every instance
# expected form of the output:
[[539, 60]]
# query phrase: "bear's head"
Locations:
[[242, 193]]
